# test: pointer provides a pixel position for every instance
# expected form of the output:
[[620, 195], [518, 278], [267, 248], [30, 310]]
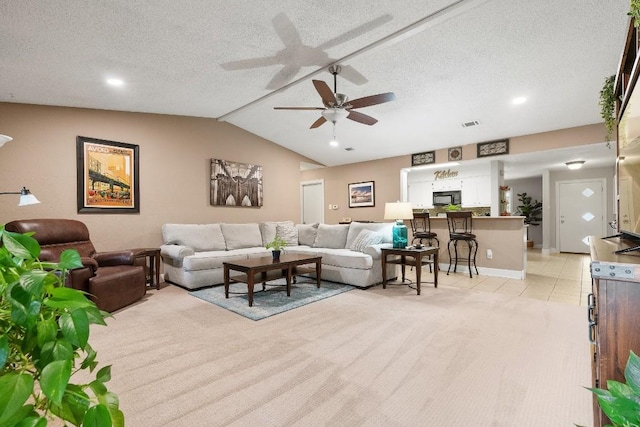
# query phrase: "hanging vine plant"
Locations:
[[608, 105], [634, 12]]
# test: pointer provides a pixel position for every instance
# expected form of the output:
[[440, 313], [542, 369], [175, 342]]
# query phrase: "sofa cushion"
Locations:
[[345, 258], [240, 236], [268, 230], [307, 233], [364, 239], [386, 228], [331, 236], [288, 233], [200, 237], [211, 260]]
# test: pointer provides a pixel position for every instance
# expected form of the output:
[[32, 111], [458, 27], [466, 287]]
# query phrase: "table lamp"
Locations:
[[399, 211]]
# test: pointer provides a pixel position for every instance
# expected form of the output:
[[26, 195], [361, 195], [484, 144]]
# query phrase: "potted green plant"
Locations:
[[621, 402], [531, 210], [453, 208], [634, 12], [607, 105], [44, 341], [276, 246]]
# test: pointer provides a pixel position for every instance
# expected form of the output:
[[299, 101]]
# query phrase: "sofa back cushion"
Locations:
[[240, 236], [288, 233], [307, 233], [200, 237], [268, 230], [386, 228], [331, 236]]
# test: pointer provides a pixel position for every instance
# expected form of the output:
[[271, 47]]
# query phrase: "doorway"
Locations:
[[312, 202], [580, 214]]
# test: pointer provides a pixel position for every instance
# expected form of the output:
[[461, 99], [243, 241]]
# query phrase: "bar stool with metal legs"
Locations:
[[421, 231], [461, 229]]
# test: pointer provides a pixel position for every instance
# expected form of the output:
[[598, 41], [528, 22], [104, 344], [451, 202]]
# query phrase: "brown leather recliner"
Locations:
[[113, 279]]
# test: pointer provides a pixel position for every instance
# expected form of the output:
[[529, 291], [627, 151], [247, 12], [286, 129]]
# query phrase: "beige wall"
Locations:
[[175, 153]]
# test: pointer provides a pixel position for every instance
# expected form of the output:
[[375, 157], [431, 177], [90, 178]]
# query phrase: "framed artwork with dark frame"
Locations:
[[493, 148], [425, 158], [107, 176], [362, 194], [235, 184], [455, 154]]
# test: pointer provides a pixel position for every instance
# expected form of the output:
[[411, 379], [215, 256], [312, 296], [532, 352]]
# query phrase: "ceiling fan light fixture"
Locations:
[[334, 115]]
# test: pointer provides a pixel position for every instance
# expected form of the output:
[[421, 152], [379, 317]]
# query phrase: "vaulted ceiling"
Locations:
[[448, 63]]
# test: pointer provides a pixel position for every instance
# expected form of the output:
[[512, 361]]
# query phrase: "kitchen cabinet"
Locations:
[[420, 194], [446, 185], [476, 191]]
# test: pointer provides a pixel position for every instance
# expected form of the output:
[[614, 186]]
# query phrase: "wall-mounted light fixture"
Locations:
[[576, 164], [4, 139], [26, 198]]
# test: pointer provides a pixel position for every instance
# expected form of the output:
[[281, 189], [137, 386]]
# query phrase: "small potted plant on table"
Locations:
[[276, 246]]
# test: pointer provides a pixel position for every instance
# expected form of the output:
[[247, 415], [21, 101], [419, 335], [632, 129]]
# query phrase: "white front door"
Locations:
[[312, 201], [581, 208]]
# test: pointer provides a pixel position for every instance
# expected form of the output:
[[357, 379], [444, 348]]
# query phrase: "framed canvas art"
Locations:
[[493, 148], [362, 194], [235, 184], [425, 158], [107, 176]]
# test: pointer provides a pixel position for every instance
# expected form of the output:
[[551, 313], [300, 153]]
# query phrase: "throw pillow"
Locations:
[[364, 239], [307, 233], [238, 236], [331, 236], [268, 230], [288, 233]]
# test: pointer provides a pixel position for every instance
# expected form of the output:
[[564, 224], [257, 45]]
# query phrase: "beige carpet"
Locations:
[[449, 357]]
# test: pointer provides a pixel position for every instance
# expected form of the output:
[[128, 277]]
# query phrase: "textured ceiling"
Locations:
[[447, 62]]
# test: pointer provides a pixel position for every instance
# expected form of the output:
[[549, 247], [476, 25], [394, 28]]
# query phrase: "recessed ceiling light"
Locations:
[[115, 82], [519, 100]]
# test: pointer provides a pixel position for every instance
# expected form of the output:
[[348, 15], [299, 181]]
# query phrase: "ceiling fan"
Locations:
[[337, 106]]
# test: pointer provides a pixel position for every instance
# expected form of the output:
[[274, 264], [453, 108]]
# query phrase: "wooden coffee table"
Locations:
[[417, 258], [267, 269]]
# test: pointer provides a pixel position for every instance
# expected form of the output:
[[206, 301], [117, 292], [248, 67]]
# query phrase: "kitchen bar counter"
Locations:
[[505, 236]]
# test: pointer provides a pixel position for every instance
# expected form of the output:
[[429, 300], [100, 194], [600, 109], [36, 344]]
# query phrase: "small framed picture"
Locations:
[[362, 194], [455, 154], [493, 148], [423, 158]]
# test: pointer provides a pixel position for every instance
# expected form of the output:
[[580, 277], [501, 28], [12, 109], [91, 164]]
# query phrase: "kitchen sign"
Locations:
[[444, 174]]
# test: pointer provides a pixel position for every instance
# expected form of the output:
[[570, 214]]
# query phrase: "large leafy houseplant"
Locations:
[[530, 209], [621, 402], [44, 341]]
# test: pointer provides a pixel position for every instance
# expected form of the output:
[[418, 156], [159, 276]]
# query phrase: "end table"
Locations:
[[152, 263], [417, 258]]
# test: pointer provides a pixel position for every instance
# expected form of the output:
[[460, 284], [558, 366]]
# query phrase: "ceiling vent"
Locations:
[[349, 149], [469, 124]]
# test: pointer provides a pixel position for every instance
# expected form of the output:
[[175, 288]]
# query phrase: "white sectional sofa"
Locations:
[[193, 254]]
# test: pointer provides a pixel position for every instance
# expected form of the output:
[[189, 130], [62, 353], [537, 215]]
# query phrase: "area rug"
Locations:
[[273, 300]]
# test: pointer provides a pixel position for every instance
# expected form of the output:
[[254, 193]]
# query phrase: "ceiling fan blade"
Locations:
[[361, 118], [372, 100], [328, 98], [298, 108], [318, 122]]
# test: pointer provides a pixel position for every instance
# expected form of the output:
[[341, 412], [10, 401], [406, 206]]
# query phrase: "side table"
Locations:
[[413, 257], [152, 262]]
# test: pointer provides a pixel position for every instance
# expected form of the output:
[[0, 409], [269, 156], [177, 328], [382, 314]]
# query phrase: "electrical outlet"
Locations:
[[330, 206], [489, 254]]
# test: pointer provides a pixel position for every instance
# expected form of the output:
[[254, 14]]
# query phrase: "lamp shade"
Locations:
[[4, 139], [398, 210], [26, 198]]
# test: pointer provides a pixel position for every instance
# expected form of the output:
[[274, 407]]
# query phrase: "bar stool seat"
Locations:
[[461, 230], [421, 231]]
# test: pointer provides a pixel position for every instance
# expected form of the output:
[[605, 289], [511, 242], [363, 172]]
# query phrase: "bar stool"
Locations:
[[421, 231], [460, 229]]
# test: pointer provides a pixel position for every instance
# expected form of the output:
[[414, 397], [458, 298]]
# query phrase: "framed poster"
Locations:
[[235, 184], [493, 148], [362, 194], [423, 158], [107, 176]]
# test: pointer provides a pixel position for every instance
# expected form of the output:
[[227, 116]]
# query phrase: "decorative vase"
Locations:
[[276, 255]]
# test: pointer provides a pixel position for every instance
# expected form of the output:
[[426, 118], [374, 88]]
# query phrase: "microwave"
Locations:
[[444, 198]]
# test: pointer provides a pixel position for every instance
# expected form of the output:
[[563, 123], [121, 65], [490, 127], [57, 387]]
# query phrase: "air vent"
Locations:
[[349, 149], [469, 124]]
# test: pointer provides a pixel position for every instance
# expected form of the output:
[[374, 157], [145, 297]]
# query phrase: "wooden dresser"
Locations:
[[614, 313]]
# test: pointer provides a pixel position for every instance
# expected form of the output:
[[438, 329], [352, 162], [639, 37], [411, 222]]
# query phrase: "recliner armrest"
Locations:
[[89, 263], [113, 258]]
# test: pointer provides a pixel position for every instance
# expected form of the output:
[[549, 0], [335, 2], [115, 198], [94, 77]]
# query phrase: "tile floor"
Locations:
[[559, 277]]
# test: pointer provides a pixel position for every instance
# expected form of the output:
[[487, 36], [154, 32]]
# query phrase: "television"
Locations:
[[628, 172]]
